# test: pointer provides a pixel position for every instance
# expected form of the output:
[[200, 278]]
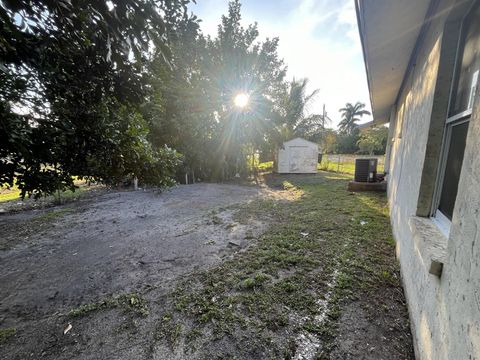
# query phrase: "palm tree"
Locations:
[[350, 115], [294, 119]]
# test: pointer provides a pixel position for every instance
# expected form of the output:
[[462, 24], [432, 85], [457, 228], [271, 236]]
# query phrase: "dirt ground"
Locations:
[[217, 271]]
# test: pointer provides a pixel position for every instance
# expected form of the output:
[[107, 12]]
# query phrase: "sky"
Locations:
[[319, 40]]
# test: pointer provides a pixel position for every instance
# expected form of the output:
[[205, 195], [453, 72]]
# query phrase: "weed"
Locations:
[[5, 334], [127, 302], [52, 215], [168, 329], [193, 334], [288, 185]]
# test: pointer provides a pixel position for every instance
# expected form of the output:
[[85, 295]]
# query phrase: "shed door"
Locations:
[[297, 158]]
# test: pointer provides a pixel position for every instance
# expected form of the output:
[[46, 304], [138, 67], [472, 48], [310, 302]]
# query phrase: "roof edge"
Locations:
[[360, 23], [298, 137]]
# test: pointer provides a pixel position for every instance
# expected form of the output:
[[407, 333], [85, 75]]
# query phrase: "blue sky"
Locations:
[[318, 40]]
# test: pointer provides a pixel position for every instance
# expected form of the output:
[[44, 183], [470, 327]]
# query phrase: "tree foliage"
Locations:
[[192, 110], [113, 89], [373, 140], [295, 118], [72, 76], [351, 114]]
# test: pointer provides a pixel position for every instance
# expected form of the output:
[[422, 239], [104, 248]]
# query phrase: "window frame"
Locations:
[[440, 219]]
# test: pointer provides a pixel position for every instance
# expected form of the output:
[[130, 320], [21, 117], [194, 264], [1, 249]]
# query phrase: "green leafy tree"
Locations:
[[347, 143], [192, 106], [294, 118], [373, 140], [351, 114], [328, 144], [72, 75]]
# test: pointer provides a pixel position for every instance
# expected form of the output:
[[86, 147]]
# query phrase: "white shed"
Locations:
[[298, 156]]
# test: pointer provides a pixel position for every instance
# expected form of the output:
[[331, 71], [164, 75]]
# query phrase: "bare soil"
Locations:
[[129, 272]]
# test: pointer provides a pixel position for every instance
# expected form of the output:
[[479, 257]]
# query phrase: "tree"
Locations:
[[329, 141], [294, 119], [72, 76], [347, 143], [350, 115], [373, 140], [192, 109]]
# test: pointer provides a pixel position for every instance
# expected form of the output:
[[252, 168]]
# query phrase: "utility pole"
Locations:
[[323, 117]]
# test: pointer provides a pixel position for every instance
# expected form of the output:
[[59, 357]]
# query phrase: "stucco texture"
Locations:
[[445, 311]]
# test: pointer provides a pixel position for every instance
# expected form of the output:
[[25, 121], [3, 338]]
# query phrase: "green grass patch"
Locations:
[[52, 215], [327, 230], [345, 164], [13, 193], [5, 334], [265, 166], [7, 195], [171, 330], [128, 302]]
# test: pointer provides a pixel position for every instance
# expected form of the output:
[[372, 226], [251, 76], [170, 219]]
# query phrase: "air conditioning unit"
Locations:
[[366, 170]]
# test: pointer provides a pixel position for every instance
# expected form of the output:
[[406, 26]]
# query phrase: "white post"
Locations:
[[135, 183], [186, 178]]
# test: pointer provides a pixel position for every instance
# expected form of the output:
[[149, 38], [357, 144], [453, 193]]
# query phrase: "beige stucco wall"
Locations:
[[445, 311]]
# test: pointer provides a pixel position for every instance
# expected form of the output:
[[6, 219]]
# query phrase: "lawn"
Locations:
[[345, 163], [9, 194], [330, 251], [311, 274], [340, 163], [10, 199]]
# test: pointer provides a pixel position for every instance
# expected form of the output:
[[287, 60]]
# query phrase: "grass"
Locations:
[[270, 286], [325, 245], [13, 193], [170, 330], [9, 194], [128, 302], [265, 166], [5, 334], [52, 215], [342, 163], [345, 163]]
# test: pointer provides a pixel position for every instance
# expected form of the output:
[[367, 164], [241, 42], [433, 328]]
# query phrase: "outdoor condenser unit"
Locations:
[[365, 170]]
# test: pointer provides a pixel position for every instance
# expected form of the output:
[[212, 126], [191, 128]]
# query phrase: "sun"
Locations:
[[241, 100]]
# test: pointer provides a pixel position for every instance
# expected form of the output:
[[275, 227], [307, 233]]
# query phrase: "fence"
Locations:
[[345, 163]]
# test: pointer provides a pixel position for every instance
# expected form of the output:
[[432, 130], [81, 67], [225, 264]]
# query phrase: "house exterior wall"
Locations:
[[444, 310], [298, 156]]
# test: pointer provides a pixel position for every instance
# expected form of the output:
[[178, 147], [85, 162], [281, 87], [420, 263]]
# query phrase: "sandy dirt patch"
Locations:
[[120, 242]]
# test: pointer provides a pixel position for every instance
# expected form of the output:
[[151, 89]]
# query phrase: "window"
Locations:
[[456, 125], [453, 166]]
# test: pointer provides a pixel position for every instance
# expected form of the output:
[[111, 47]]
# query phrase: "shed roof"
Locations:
[[389, 30], [301, 139]]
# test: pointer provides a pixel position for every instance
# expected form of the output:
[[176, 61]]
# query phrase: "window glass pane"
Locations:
[[468, 66], [453, 167]]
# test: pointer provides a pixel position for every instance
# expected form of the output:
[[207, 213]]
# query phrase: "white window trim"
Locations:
[[473, 89], [442, 223], [439, 219], [459, 116]]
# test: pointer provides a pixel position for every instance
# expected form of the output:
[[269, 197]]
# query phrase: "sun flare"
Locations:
[[241, 100]]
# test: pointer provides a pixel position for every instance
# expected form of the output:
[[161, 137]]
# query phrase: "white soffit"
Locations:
[[389, 30]]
